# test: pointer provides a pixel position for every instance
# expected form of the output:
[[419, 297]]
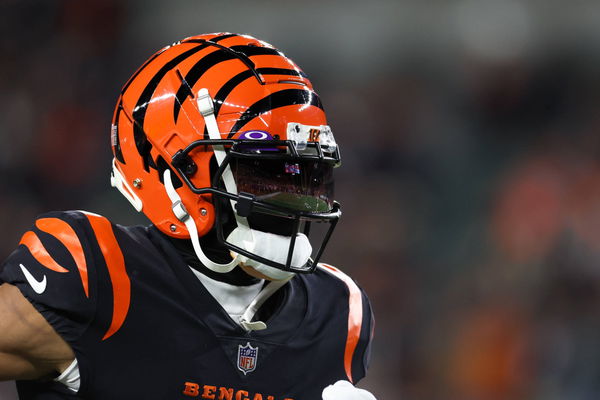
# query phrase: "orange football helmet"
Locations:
[[219, 130]]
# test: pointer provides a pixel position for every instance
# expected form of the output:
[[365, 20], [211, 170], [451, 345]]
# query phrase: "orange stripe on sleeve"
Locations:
[[355, 315], [39, 252], [115, 263], [67, 236]]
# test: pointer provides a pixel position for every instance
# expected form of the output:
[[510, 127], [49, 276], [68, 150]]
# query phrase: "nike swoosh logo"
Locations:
[[38, 286]]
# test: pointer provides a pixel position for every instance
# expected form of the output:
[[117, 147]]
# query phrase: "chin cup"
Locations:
[[272, 247]]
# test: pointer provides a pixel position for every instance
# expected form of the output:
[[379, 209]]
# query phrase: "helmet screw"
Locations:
[[137, 183], [203, 212], [173, 228], [191, 168]]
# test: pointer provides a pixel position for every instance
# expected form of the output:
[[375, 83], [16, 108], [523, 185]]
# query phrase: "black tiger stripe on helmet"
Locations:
[[223, 54], [282, 98], [234, 82], [139, 112]]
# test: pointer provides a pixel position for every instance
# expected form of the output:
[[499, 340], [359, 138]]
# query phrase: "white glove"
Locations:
[[344, 390]]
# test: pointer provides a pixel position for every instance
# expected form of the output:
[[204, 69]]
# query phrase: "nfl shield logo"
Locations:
[[247, 356]]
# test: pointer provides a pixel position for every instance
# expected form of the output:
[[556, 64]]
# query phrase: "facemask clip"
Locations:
[[244, 204], [180, 211]]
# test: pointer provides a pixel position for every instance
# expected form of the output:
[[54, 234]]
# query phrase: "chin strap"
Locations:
[[206, 107], [182, 215], [246, 319]]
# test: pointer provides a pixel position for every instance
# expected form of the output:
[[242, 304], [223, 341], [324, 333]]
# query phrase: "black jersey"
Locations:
[[142, 326]]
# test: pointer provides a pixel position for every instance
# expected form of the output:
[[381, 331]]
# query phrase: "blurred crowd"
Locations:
[[470, 185]]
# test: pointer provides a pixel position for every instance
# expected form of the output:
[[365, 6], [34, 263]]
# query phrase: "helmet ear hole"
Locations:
[[162, 166]]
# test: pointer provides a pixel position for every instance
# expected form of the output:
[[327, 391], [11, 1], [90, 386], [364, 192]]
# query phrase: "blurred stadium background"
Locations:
[[470, 136]]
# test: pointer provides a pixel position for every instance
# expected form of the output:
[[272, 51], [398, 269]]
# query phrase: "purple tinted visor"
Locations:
[[296, 184]]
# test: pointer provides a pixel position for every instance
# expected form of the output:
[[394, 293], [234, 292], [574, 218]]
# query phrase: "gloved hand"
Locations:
[[344, 390]]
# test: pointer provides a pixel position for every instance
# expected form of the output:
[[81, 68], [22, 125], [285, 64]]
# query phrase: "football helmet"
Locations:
[[223, 133]]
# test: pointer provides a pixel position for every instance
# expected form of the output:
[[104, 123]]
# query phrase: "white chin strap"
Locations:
[[182, 215]]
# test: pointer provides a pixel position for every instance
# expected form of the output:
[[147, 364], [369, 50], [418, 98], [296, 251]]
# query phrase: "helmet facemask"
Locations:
[[275, 190]]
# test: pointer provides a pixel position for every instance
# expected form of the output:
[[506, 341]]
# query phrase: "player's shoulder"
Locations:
[[79, 226], [63, 222], [68, 224], [55, 235], [330, 282], [61, 242], [331, 275], [329, 270], [54, 266]]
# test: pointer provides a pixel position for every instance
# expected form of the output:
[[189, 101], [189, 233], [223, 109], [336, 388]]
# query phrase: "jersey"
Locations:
[[142, 325]]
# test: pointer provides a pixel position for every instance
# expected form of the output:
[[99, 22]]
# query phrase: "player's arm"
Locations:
[[29, 346]]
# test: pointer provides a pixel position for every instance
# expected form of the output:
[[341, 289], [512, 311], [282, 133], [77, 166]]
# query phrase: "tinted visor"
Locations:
[[301, 185]]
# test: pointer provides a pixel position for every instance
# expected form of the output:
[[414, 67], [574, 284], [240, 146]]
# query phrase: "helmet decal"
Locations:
[[256, 135]]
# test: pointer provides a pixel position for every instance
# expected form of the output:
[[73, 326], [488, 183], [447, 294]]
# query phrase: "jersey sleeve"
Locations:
[[361, 325], [52, 268], [362, 354]]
